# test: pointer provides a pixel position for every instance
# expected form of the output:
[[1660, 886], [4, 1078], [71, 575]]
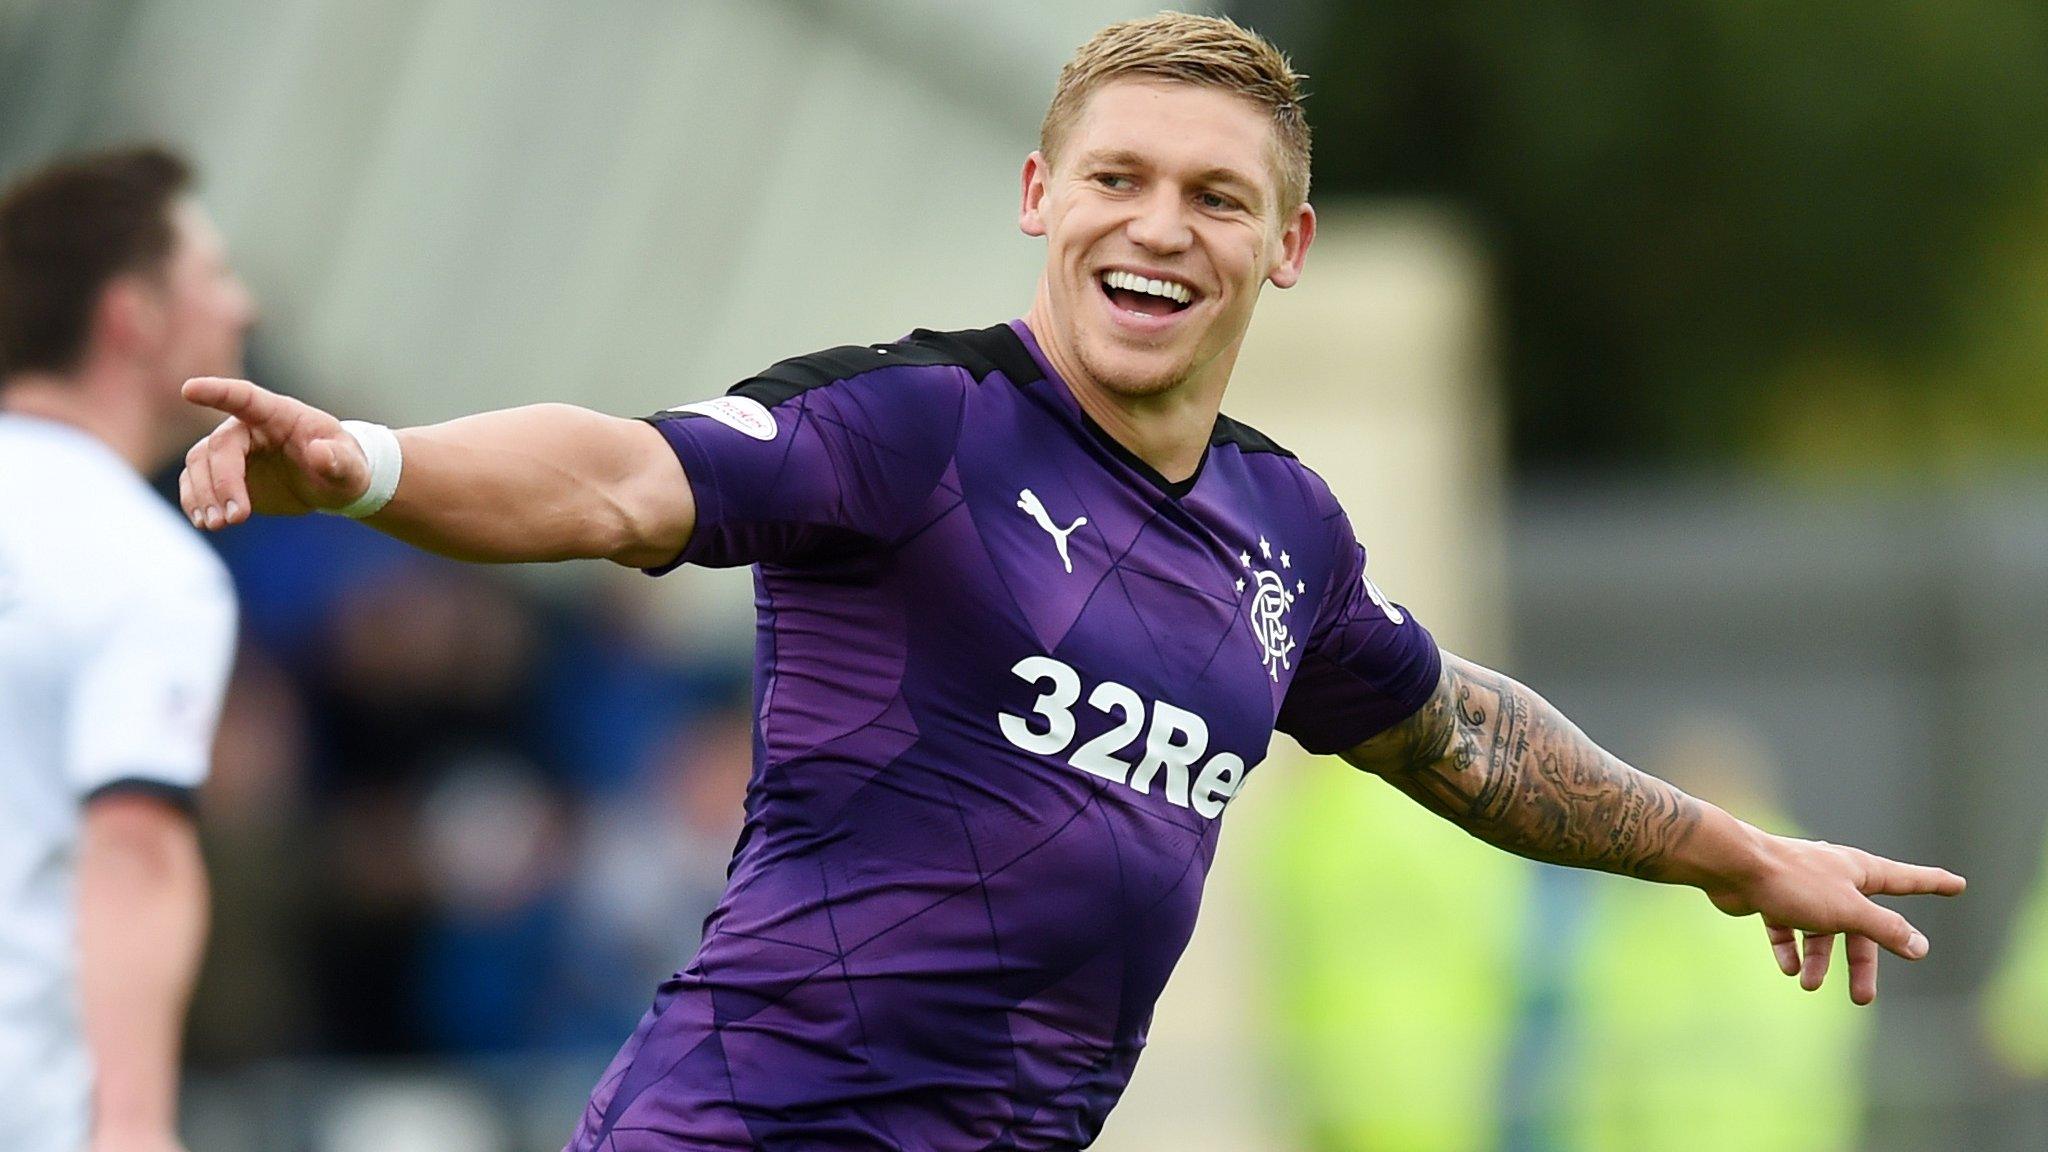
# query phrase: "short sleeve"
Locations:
[[1369, 664], [816, 457], [147, 695]]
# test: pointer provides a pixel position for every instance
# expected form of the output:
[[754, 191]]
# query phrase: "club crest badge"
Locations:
[[1273, 593]]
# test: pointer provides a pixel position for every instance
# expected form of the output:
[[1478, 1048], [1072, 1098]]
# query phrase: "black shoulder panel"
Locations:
[[982, 351], [979, 352], [1246, 437]]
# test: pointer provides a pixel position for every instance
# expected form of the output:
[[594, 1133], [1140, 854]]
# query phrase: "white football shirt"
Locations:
[[117, 630]]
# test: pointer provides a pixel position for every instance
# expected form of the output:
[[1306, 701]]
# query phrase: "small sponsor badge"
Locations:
[[746, 416], [1380, 598]]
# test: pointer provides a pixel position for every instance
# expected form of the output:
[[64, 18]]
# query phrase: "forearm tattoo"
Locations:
[[1497, 760]]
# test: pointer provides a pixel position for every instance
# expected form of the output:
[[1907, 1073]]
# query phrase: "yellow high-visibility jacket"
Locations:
[[1393, 935], [2015, 1003], [1685, 1036]]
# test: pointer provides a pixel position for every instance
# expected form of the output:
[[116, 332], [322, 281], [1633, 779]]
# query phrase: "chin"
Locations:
[[1135, 376]]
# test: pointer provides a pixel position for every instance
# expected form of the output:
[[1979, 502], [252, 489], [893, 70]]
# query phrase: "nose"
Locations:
[[1160, 222]]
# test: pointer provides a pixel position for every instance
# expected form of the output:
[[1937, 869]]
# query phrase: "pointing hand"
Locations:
[[272, 454], [1821, 890]]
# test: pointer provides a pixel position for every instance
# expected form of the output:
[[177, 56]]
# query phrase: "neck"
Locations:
[[102, 407], [1169, 429]]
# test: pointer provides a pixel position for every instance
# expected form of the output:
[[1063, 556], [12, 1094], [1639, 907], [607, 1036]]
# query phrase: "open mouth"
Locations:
[[1134, 293]]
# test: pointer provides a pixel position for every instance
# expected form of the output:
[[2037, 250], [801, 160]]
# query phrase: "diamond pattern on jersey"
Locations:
[[738, 1043]]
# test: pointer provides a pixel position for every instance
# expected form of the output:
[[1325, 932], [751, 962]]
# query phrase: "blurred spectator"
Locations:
[[419, 675], [614, 688], [1540, 1009], [1682, 1034], [2014, 1011], [253, 1000], [525, 808], [410, 1114], [492, 838], [654, 863], [1396, 1004], [291, 571]]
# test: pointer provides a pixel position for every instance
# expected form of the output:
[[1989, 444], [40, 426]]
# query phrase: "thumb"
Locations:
[[334, 469], [334, 465]]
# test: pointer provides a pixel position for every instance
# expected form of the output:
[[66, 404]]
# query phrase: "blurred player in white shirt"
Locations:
[[117, 632]]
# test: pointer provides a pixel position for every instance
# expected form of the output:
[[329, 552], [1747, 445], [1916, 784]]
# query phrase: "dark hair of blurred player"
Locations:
[[115, 289]]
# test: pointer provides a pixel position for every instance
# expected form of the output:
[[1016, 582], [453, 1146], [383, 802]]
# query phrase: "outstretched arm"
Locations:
[[545, 482], [1497, 760]]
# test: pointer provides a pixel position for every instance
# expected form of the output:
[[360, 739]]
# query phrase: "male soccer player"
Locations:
[[1030, 612], [117, 628]]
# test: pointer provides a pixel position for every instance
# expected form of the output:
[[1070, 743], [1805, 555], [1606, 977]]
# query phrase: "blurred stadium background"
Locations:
[[1688, 360]]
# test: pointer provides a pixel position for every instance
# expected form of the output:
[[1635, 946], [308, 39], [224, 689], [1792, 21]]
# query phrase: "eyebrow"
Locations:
[[1126, 158]]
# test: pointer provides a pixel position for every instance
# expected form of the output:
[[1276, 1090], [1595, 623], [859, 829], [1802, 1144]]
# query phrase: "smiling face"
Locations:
[[1162, 217]]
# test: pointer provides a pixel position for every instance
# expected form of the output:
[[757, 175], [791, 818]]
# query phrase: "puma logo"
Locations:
[[1029, 502]]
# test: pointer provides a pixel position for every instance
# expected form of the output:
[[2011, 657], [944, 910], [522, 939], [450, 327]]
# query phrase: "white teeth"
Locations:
[[1131, 282]]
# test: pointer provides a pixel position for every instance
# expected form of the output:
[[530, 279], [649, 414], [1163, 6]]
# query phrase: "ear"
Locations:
[[1031, 212], [1294, 241], [129, 317]]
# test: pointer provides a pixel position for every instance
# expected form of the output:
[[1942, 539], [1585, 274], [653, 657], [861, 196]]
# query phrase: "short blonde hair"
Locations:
[[1212, 51]]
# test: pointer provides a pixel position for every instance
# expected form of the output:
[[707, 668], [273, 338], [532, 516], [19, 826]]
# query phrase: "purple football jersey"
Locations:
[[1008, 678]]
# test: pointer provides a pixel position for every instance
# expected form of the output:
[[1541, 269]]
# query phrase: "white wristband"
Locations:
[[380, 447]]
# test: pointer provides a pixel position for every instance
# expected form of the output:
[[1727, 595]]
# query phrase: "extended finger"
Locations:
[[1784, 946], [254, 405], [1820, 946], [1895, 878], [1862, 951]]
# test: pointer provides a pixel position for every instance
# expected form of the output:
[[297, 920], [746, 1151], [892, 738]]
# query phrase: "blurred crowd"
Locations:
[[1444, 995], [452, 816]]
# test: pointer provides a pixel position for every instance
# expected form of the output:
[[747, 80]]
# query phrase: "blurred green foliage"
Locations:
[[1810, 233]]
